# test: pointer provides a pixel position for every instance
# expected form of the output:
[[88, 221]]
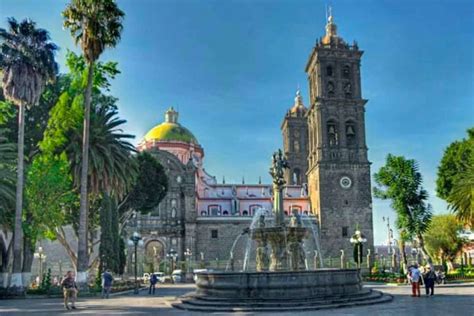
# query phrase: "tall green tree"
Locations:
[[148, 190], [455, 182], [27, 63], [461, 198], [442, 239], [95, 25], [112, 169], [400, 181]]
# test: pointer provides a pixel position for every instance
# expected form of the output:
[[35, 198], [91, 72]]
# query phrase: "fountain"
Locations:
[[282, 279]]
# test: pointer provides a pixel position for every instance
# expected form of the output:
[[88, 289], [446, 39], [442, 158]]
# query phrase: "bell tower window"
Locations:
[[346, 72], [348, 90], [329, 71], [333, 136], [350, 134], [296, 177], [330, 89]]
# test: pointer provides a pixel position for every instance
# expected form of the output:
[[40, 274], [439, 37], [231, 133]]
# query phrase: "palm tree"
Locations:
[[112, 168], [95, 25], [461, 198], [7, 175], [27, 63]]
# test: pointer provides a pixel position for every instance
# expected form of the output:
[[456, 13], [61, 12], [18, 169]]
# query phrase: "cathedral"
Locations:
[[328, 178]]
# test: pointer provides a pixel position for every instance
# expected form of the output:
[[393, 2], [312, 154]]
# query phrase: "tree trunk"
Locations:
[[61, 236], [82, 249], [16, 279], [403, 255], [5, 250], [426, 255], [28, 253], [4, 253]]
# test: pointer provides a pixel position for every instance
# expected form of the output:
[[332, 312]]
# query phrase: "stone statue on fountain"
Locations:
[[279, 164]]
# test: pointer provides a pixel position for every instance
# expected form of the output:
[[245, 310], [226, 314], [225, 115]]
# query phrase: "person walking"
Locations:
[[153, 280], [415, 278], [107, 280], [70, 291], [430, 278]]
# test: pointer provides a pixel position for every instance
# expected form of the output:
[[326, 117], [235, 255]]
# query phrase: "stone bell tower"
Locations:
[[338, 167], [295, 142]]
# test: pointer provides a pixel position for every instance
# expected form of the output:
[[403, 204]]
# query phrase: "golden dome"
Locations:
[[170, 130]]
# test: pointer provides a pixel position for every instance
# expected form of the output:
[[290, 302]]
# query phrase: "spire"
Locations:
[[331, 31], [331, 28], [298, 106], [259, 180], [223, 179], [171, 116]]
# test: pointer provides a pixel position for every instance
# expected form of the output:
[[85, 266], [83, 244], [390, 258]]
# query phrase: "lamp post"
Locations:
[[41, 257], [357, 240], [172, 255], [188, 255], [135, 240]]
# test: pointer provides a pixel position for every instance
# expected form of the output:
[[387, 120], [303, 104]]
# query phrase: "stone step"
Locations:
[[376, 299], [363, 292], [262, 303]]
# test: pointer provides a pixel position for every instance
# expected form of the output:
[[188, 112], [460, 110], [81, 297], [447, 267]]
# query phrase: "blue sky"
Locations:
[[232, 68]]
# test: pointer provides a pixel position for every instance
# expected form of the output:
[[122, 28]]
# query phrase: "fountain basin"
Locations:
[[279, 291], [279, 284]]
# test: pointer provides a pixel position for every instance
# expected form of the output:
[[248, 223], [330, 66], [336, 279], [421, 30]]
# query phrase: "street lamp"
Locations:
[[188, 255], [172, 255], [40, 256], [135, 240], [357, 240]]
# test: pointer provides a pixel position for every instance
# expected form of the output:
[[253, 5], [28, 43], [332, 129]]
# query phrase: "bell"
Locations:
[[332, 130], [350, 130]]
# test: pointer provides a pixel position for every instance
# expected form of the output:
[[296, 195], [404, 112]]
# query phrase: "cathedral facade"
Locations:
[[328, 178]]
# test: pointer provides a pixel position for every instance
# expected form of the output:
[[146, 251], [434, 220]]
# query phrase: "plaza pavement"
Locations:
[[456, 299]]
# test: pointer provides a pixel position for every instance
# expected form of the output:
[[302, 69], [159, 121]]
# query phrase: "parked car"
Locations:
[[146, 277], [195, 271], [177, 276], [160, 276]]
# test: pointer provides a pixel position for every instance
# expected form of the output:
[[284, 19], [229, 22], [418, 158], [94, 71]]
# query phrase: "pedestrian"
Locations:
[[107, 280], [69, 290], [430, 278], [415, 278], [153, 280]]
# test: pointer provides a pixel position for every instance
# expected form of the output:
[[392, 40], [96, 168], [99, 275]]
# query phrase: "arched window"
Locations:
[[214, 210], [253, 208], [350, 134], [346, 72], [348, 90], [296, 146], [305, 212], [245, 213], [225, 213], [296, 176], [330, 89], [286, 213], [333, 135], [329, 71], [203, 213]]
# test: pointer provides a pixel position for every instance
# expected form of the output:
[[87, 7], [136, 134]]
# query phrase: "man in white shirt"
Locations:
[[415, 277]]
